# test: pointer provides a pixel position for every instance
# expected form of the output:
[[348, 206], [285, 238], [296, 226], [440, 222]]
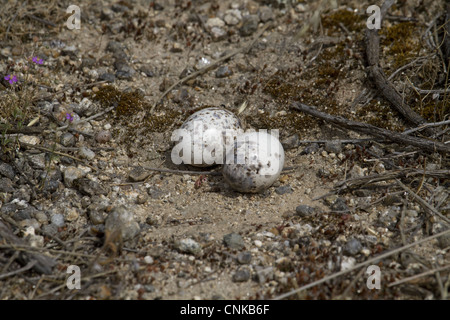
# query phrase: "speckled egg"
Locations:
[[205, 135], [255, 163]]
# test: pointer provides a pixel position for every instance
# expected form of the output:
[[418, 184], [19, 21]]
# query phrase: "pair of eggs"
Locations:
[[252, 161]]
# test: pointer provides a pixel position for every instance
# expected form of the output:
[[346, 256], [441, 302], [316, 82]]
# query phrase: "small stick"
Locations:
[[23, 269], [212, 66], [423, 203], [49, 23], [426, 125], [87, 119], [58, 153]]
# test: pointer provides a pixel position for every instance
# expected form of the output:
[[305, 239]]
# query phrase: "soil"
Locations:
[[144, 47]]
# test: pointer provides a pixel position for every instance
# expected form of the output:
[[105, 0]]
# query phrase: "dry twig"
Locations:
[[431, 146], [379, 77]]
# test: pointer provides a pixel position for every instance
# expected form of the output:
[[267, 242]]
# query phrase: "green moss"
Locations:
[[107, 96], [349, 19], [129, 105], [401, 43]]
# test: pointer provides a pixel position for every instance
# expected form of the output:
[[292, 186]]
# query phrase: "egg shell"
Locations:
[[255, 163], [209, 129]]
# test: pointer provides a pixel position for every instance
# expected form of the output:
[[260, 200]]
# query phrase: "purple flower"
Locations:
[[11, 79], [69, 117], [37, 60]]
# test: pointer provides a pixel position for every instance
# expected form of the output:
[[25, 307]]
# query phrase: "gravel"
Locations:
[[57, 219], [249, 25], [234, 241], [139, 233], [244, 257]]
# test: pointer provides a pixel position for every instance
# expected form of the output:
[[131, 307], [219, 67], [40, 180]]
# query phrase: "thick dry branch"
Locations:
[[44, 264], [427, 145], [380, 79]]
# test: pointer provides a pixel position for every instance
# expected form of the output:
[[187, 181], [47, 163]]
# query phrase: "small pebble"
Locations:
[[7, 170], [109, 77], [6, 185], [214, 22], [241, 275], [90, 187], [86, 153], [284, 189], [234, 241], [138, 174], [249, 25], [339, 205], [223, 72], [352, 247], [148, 260], [67, 139], [290, 142], [103, 136], [232, 17], [122, 219], [333, 146], [57, 219], [304, 210], [265, 14], [97, 217], [33, 140], [263, 274], [188, 246], [244, 257], [312, 148]]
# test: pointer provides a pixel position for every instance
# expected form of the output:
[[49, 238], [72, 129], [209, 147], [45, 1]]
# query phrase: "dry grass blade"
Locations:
[[423, 203], [417, 276], [431, 146]]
